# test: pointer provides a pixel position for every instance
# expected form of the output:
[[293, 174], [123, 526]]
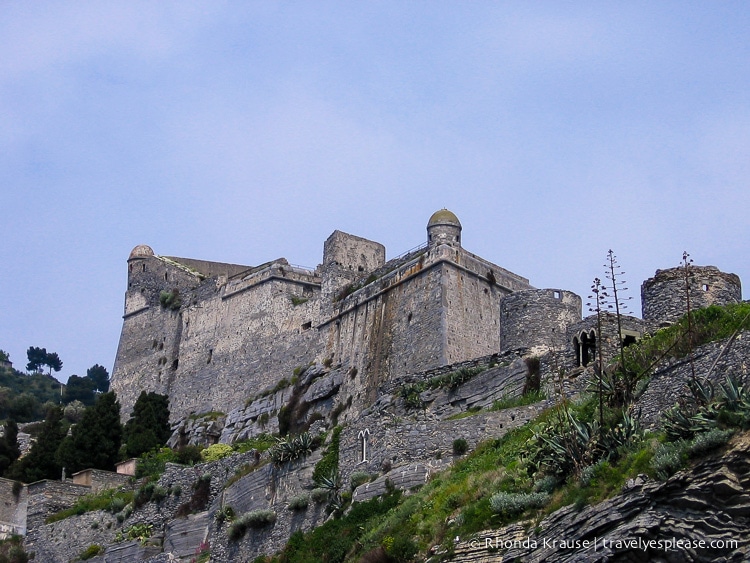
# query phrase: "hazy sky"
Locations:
[[246, 131]]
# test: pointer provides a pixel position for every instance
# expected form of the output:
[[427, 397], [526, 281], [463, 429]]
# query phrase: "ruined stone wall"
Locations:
[[98, 480], [632, 330], [538, 319], [48, 497], [663, 297]]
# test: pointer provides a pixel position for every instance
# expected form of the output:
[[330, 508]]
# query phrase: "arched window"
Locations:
[[586, 348], [363, 438]]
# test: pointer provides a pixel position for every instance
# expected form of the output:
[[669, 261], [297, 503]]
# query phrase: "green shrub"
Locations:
[[91, 551], [261, 443], [117, 504], [669, 458], [546, 484], [709, 441], [141, 532], [329, 463], [225, 514], [510, 504], [152, 464], [359, 478], [170, 299], [255, 519], [216, 452], [460, 446], [300, 502], [287, 449], [110, 499], [319, 495], [188, 455]]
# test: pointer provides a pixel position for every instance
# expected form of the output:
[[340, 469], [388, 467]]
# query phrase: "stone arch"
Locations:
[[585, 345]]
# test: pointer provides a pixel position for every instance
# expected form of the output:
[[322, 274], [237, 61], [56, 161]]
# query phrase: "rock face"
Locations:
[[704, 512]]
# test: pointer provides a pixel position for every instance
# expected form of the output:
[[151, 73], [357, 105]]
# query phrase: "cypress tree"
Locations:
[[9, 450], [40, 463], [148, 427]]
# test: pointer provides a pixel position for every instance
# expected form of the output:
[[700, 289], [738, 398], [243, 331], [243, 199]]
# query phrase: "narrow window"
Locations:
[[705, 287], [556, 294], [363, 437], [210, 355]]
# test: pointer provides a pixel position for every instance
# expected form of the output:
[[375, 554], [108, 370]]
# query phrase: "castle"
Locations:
[[213, 336], [413, 354]]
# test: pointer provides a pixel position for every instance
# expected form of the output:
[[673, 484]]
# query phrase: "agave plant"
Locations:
[[332, 484]]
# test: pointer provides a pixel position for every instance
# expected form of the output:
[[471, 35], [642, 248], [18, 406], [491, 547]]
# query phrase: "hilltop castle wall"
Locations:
[[228, 340]]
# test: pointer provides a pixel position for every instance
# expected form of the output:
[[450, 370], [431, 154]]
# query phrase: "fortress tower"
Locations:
[[663, 297], [538, 319]]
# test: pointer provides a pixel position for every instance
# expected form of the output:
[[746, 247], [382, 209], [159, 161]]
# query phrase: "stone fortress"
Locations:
[[232, 332], [396, 353]]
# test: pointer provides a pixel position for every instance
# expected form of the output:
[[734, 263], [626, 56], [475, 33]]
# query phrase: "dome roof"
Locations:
[[141, 251], [443, 216]]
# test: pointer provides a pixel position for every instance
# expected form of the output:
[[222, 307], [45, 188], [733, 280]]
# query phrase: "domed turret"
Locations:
[[444, 228], [141, 251]]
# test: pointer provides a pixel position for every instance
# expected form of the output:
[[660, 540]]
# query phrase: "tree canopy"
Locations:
[[95, 441], [40, 462], [148, 427], [39, 357], [100, 376], [80, 389]]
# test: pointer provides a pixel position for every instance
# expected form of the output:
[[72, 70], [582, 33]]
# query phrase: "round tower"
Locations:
[[538, 319], [663, 297], [444, 228]]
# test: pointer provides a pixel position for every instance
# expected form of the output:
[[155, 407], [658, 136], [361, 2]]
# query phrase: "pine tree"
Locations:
[[148, 427]]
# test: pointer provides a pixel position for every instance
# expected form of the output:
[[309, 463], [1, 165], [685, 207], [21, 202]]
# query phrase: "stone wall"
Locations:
[[13, 507], [99, 480], [663, 297], [668, 385], [47, 497]]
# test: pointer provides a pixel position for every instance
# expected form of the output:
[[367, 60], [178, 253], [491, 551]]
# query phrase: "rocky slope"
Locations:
[[699, 515]]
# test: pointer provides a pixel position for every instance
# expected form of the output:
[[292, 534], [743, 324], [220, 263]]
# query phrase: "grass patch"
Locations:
[[709, 325], [521, 401], [261, 443], [329, 463], [112, 500]]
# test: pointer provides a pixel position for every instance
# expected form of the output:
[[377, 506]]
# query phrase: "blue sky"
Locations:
[[245, 131]]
